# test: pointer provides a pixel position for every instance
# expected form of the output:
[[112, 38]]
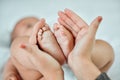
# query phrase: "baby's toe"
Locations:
[[45, 28], [55, 27], [40, 34]]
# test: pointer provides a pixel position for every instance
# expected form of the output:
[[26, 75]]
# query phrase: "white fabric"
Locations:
[[11, 11]]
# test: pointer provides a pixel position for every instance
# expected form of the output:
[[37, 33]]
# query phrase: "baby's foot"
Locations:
[[48, 43], [64, 38]]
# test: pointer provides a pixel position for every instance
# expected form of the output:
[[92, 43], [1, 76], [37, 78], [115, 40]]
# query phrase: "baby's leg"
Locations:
[[64, 38], [10, 72], [102, 55], [48, 43], [26, 73]]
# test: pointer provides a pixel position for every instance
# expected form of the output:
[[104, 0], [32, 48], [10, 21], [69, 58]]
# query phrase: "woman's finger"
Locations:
[[67, 27], [75, 18], [36, 28], [68, 21], [94, 26]]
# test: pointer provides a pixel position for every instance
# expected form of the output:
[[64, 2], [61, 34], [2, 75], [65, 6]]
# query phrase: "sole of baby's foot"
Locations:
[[48, 43], [64, 38]]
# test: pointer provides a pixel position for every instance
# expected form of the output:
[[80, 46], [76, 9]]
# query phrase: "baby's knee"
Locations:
[[107, 54], [106, 48]]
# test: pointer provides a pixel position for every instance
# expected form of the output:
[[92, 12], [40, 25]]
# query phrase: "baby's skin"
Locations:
[[46, 41], [42, 35], [64, 38], [43, 62]]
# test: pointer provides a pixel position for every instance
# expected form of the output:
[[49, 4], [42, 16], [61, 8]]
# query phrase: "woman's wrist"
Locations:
[[91, 70], [84, 69], [55, 75], [59, 75]]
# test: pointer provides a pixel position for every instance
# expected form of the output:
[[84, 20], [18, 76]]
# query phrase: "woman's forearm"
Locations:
[[86, 70], [54, 75]]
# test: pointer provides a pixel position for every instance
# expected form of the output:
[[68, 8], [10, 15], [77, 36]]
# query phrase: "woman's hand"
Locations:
[[80, 57], [43, 62], [40, 61]]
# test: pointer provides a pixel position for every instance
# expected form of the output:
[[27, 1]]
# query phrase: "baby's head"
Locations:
[[23, 27]]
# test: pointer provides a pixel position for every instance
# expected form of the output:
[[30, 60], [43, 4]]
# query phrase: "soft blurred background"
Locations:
[[13, 10]]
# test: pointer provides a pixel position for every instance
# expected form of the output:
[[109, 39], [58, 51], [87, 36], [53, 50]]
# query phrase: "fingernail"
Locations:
[[60, 12], [99, 18]]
